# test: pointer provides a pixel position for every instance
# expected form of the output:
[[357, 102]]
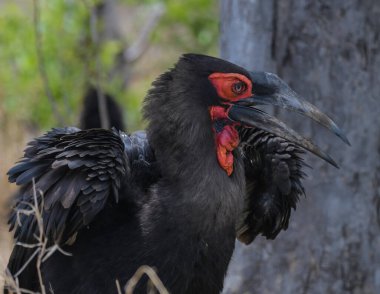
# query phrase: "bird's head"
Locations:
[[230, 94]]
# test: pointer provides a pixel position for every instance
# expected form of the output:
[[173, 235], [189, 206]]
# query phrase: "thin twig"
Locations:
[[42, 252], [38, 266], [27, 262], [102, 105], [25, 245], [130, 54], [42, 238], [41, 62], [131, 284], [139, 46], [12, 285], [49, 252], [118, 287]]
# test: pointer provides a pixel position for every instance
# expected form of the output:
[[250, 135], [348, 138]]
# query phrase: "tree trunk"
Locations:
[[329, 52]]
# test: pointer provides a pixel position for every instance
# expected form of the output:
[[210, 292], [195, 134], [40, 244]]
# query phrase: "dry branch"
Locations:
[[153, 277], [41, 62], [136, 50]]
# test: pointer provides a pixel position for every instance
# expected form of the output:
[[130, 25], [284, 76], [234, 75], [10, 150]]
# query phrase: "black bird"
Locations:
[[209, 169], [90, 116]]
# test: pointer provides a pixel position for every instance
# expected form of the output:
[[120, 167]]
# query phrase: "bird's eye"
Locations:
[[239, 87]]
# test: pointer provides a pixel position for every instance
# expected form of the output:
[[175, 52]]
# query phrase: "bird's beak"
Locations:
[[269, 89]]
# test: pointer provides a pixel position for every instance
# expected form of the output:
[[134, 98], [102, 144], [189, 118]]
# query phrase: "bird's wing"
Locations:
[[74, 173], [273, 172], [69, 175]]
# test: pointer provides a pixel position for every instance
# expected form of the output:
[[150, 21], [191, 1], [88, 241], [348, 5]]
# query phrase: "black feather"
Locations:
[[273, 178]]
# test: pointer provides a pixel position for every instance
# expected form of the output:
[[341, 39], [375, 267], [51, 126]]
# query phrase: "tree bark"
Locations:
[[329, 52]]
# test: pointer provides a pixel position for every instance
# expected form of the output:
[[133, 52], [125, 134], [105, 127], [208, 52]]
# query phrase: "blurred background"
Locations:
[[53, 52]]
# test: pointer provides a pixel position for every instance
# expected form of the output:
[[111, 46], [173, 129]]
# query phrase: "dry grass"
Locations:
[[154, 281], [17, 138], [13, 137], [41, 251]]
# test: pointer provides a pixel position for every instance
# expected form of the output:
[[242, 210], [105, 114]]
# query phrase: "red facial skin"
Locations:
[[223, 83], [228, 138]]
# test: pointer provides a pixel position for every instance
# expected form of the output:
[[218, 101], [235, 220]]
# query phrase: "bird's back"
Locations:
[[125, 171]]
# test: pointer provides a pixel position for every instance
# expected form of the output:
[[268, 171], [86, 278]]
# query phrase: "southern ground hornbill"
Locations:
[[210, 168]]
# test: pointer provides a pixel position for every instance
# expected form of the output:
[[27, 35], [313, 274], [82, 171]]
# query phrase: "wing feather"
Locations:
[[273, 169], [74, 173], [72, 170]]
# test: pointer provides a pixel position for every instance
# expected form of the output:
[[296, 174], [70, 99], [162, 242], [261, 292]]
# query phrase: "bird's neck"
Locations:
[[198, 191], [196, 203], [181, 132], [196, 213]]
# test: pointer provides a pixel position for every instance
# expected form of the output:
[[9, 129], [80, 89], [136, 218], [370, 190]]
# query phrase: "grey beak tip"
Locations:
[[343, 138], [331, 161], [346, 141], [341, 135]]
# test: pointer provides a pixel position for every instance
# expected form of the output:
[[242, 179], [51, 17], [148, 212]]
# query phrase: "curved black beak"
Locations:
[[269, 89]]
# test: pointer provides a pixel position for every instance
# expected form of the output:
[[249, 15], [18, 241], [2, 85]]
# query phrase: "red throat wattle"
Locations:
[[226, 139], [230, 87]]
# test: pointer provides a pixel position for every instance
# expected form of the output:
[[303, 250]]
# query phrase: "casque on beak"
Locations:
[[269, 89]]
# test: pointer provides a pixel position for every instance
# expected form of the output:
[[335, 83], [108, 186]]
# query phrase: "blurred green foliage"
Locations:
[[22, 93], [61, 27], [68, 54], [193, 24]]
